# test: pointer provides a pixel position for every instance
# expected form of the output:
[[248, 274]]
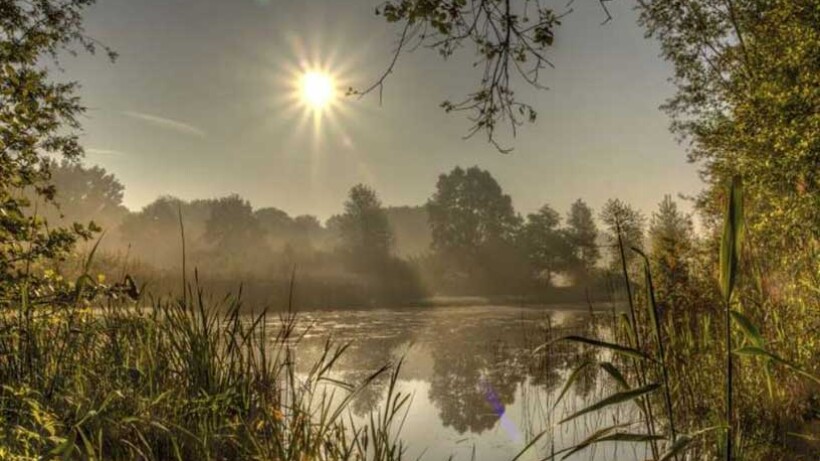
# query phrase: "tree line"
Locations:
[[467, 239]]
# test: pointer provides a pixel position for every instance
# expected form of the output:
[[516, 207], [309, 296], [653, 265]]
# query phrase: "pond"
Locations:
[[478, 389]]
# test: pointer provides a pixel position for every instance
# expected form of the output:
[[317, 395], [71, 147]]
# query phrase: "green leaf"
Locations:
[[614, 399], [616, 374], [572, 377], [749, 329], [760, 352], [730, 245]]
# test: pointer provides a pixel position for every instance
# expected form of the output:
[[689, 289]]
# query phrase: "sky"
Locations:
[[200, 105]]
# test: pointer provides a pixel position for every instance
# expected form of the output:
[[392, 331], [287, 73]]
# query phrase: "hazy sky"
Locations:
[[199, 105]]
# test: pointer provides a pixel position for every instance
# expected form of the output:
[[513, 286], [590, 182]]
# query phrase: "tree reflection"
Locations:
[[476, 372]]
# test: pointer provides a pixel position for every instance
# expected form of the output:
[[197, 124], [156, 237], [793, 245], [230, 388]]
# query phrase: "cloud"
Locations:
[[180, 127]]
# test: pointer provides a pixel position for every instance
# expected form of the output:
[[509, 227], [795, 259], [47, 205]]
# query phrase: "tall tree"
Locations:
[[582, 234], [474, 229], [233, 229], [620, 217], [364, 230], [469, 210], [670, 242], [83, 194], [546, 245], [748, 92], [38, 121]]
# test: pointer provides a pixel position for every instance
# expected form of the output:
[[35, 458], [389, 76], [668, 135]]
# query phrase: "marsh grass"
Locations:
[[691, 359], [186, 378]]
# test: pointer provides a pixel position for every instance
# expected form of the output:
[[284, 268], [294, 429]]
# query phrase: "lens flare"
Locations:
[[318, 89]]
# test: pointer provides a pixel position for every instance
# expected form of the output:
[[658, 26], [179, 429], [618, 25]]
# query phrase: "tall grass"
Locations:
[[684, 367], [182, 379]]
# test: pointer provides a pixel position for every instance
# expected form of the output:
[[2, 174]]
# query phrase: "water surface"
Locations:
[[478, 390]]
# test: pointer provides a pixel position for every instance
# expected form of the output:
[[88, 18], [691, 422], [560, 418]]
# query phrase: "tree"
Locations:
[[670, 242], [83, 194], [546, 245], [38, 121], [468, 211], [474, 229], [277, 224], [154, 231], [364, 230], [582, 234], [510, 39], [233, 229], [621, 218], [748, 89]]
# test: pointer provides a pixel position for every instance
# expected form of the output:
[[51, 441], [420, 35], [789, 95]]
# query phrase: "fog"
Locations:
[[466, 242]]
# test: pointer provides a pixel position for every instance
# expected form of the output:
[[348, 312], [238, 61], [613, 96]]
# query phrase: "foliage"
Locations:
[[183, 379], [365, 231], [621, 219], [38, 120], [82, 194], [670, 243], [547, 247], [747, 83], [474, 228], [510, 41], [582, 234]]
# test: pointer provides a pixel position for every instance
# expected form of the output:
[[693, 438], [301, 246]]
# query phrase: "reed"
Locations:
[[180, 379]]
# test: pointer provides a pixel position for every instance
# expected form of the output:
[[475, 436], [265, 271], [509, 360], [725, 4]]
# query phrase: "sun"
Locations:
[[318, 89]]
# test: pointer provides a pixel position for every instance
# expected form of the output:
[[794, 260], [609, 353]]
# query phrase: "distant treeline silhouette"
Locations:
[[467, 240]]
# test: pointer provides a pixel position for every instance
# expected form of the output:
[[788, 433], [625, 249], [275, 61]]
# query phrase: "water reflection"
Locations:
[[477, 384]]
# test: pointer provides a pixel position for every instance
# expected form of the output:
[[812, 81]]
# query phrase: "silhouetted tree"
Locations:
[[469, 210], [619, 215], [670, 241], [84, 194], [233, 229], [276, 224], [546, 245], [582, 235], [154, 232], [474, 227], [364, 231]]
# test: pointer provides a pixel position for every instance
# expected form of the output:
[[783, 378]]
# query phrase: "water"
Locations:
[[478, 390]]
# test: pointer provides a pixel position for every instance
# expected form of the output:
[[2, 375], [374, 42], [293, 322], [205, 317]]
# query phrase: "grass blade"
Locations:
[[614, 399], [572, 377], [616, 348]]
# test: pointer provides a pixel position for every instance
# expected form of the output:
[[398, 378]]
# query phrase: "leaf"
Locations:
[[614, 399], [615, 373], [732, 238], [760, 352], [572, 377], [616, 348], [749, 329]]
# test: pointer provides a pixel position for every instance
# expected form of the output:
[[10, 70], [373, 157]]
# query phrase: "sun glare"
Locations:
[[317, 90]]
